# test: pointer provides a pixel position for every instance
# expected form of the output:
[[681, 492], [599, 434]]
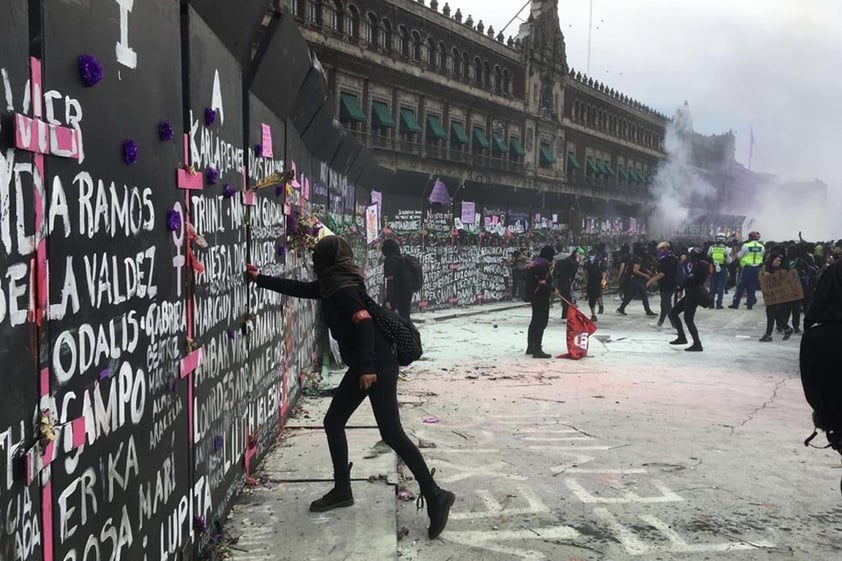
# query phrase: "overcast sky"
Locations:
[[774, 65]]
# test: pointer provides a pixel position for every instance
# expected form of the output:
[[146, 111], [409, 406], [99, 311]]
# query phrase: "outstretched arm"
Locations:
[[298, 289]]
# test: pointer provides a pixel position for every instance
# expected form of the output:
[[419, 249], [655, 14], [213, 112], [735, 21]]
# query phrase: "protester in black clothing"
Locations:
[[777, 314], [695, 295], [564, 275], [636, 284], [539, 290], [597, 279], [398, 294], [665, 277], [821, 354], [372, 371]]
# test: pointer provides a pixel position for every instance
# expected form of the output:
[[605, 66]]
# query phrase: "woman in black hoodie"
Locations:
[[821, 355], [695, 295], [372, 371]]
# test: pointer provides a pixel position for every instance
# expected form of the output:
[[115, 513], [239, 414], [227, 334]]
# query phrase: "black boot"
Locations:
[[438, 502], [339, 496], [539, 353]]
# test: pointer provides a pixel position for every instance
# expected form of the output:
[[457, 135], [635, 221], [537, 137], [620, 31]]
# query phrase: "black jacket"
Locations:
[[355, 334]]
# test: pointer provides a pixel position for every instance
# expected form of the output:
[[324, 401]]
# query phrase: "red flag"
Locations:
[[579, 330]]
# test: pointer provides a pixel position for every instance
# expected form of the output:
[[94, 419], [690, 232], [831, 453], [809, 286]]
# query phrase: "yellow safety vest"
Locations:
[[717, 253], [754, 255]]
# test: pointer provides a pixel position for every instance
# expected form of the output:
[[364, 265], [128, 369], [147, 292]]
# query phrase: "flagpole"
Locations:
[[750, 146]]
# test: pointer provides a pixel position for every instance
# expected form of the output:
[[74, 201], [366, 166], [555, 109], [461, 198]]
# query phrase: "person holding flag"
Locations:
[[539, 291]]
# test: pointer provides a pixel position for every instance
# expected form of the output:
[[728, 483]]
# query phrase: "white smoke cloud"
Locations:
[[677, 187]]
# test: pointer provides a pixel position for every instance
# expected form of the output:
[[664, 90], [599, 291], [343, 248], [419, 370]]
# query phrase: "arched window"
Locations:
[[507, 84], [354, 21], [386, 37], [466, 67], [477, 70], [486, 75], [432, 53], [443, 62], [314, 11], [403, 41], [338, 17], [373, 28], [416, 46], [498, 80], [456, 62]]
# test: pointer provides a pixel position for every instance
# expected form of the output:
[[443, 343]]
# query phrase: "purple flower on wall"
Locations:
[[165, 131], [282, 250], [258, 150], [200, 525], [228, 191], [212, 175], [173, 220], [90, 69], [231, 334], [104, 375], [129, 151], [217, 443], [210, 116], [279, 190], [292, 223]]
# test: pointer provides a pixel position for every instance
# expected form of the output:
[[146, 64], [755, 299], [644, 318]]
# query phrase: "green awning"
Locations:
[[498, 145], [572, 161], [547, 156], [480, 140], [622, 173], [594, 167], [607, 167], [516, 147], [458, 134], [409, 123], [634, 176], [350, 110], [434, 128], [381, 116]]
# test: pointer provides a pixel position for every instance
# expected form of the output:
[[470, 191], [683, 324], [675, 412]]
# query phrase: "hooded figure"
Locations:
[[821, 355], [372, 372], [398, 295], [539, 290]]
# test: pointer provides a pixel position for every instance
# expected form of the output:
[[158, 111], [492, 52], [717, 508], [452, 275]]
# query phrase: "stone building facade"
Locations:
[[435, 93]]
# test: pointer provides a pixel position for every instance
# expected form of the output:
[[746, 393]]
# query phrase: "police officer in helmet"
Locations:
[[751, 257]]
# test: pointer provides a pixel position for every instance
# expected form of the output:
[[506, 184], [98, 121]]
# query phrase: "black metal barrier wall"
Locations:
[[142, 377]]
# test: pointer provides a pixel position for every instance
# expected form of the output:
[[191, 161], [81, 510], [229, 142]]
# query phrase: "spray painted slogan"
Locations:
[[142, 377]]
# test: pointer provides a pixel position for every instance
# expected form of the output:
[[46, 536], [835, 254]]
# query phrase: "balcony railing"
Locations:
[[403, 145]]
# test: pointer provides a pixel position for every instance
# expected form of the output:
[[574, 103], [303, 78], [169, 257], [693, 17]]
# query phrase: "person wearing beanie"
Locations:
[[539, 291]]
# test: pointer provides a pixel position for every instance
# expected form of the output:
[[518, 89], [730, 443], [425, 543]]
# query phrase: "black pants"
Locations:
[[635, 288], [821, 373], [777, 314], [383, 396], [540, 318], [666, 306], [687, 306]]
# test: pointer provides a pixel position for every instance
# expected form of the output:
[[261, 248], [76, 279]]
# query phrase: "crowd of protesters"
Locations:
[[682, 274]]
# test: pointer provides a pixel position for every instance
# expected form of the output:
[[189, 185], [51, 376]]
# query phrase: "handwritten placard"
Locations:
[[468, 212], [371, 223], [267, 140]]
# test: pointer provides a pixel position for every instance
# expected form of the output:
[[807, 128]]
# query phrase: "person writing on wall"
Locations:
[[372, 371]]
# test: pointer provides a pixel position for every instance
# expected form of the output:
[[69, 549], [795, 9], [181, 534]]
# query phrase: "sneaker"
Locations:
[[719, 307], [541, 354], [765, 339], [594, 319], [621, 311], [651, 314], [796, 330], [530, 350], [734, 306], [601, 309], [787, 334], [694, 348], [679, 341], [338, 497]]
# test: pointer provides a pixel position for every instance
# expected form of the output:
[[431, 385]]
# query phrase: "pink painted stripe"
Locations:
[[249, 198], [64, 142], [47, 520], [190, 181], [41, 254], [78, 427], [30, 134], [49, 454], [191, 362], [45, 382], [190, 409], [35, 76]]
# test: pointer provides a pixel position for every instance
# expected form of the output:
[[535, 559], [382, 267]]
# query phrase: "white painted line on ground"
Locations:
[[667, 496], [494, 508]]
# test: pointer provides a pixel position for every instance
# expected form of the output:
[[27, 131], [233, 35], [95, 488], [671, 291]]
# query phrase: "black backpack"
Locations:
[[414, 273], [404, 336]]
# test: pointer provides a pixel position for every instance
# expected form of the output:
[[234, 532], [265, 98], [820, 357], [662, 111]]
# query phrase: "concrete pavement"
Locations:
[[640, 451]]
